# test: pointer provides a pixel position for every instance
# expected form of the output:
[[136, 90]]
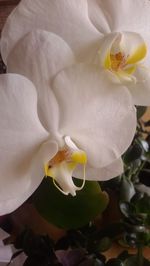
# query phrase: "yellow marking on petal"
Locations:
[[107, 61], [79, 157], [50, 172], [138, 54], [130, 70], [72, 166], [46, 169], [62, 166], [126, 77]]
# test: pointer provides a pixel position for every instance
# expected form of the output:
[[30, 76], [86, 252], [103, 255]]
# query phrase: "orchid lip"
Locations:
[[60, 168], [121, 53]]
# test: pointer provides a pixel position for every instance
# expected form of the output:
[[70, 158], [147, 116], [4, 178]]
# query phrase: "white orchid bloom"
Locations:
[[63, 128], [113, 34]]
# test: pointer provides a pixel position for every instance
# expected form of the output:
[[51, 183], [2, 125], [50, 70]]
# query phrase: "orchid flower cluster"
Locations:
[[75, 71]]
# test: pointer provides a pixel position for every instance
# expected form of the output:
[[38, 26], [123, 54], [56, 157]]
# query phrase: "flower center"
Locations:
[[118, 61], [122, 53], [62, 155], [62, 166]]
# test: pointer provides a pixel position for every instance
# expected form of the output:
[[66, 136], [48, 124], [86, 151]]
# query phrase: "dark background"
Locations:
[[6, 6]]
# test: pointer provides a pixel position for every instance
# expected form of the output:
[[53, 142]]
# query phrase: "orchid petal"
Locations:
[[60, 168], [21, 135], [100, 19], [105, 127], [140, 90], [102, 174], [78, 156], [33, 177], [133, 46], [117, 15], [102, 14], [39, 56], [68, 19], [62, 175], [106, 46]]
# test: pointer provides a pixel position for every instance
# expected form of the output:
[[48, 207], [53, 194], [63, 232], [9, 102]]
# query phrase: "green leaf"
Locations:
[[131, 261], [144, 144], [104, 244], [66, 211], [134, 261], [127, 209], [140, 111], [127, 189], [143, 205], [114, 262], [123, 255], [133, 153]]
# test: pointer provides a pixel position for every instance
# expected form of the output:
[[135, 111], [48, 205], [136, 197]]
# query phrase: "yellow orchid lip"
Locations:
[[60, 168], [118, 61], [122, 52], [139, 54], [79, 157]]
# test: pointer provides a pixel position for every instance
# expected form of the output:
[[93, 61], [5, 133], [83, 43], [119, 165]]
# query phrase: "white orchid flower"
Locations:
[[58, 118], [113, 34], [74, 123]]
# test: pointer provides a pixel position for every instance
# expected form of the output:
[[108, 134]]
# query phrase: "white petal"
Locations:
[[21, 133], [98, 116], [140, 90], [70, 143], [106, 46], [62, 175], [133, 46], [39, 56], [101, 174], [28, 183], [100, 14], [117, 14], [130, 44], [68, 19], [100, 18]]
